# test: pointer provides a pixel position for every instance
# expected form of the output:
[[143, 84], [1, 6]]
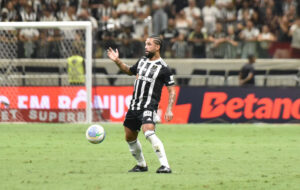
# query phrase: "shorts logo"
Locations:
[[147, 114]]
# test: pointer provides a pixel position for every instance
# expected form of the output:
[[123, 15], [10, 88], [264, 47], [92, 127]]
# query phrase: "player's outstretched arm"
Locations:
[[114, 56], [172, 97]]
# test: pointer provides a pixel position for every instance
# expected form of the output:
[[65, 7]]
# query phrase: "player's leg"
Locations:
[[158, 147], [135, 148], [132, 126]]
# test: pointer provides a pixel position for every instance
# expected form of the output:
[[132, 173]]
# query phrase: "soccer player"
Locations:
[[151, 74]]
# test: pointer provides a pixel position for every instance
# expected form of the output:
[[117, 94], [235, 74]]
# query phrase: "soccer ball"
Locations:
[[95, 134]]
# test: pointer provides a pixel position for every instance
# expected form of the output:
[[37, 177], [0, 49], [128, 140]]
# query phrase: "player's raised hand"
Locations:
[[113, 55]]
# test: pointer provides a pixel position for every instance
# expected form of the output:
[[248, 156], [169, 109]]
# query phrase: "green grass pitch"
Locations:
[[206, 156]]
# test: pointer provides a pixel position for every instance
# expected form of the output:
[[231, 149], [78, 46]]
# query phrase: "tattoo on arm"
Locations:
[[172, 97]]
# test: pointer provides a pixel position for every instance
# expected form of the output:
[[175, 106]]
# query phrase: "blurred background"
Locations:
[[190, 28]]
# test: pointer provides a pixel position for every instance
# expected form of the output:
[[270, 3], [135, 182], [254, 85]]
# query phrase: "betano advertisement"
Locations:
[[193, 104]]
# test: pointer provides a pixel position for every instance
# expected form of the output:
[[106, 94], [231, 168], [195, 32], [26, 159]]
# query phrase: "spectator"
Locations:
[[10, 11], [287, 4], [125, 11], [277, 15], [37, 6], [210, 15], [4, 15], [269, 19], [113, 23], [160, 18], [125, 39], [169, 36], [142, 10], [43, 45], [246, 77], [249, 37], [255, 18], [265, 38], [231, 43], [108, 40], [291, 14], [197, 40], [192, 12], [63, 12], [70, 16], [27, 14], [169, 8], [245, 10], [183, 25], [29, 37], [217, 45], [83, 5], [84, 15], [47, 15], [229, 14], [180, 47], [283, 29], [295, 33], [94, 5], [104, 13], [78, 44], [55, 49], [141, 16]]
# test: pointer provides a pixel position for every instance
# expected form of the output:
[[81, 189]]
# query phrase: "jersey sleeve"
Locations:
[[133, 68], [168, 77]]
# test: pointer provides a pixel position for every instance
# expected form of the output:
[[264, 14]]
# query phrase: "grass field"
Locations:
[[207, 156]]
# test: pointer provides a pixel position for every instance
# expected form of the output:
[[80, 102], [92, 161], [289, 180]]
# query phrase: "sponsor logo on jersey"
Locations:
[[145, 78]]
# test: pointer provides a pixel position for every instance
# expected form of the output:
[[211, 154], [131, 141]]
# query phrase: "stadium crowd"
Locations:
[[189, 28]]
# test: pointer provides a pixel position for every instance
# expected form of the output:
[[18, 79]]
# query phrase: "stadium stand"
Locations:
[[122, 79], [9, 79], [282, 77], [100, 76], [51, 76], [216, 78], [273, 31], [274, 23], [232, 78], [193, 72], [198, 78], [260, 77]]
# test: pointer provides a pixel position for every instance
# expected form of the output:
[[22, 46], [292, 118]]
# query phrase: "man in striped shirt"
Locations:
[[152, 73]]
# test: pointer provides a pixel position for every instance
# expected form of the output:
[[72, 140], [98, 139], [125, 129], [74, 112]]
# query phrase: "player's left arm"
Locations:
[[170, 83], [172, 97]]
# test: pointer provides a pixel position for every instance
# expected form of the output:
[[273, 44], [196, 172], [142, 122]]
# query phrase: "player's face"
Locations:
[[150, 47]]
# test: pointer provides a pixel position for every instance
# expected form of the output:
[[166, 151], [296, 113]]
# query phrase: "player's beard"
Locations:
[[149, 54]]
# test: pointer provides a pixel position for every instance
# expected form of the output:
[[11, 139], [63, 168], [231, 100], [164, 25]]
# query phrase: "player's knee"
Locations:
[[130, 135], [149, 133], [130, 138]]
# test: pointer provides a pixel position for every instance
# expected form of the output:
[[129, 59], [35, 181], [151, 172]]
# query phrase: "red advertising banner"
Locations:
[[241, 104], [55, 101], [193, 104]]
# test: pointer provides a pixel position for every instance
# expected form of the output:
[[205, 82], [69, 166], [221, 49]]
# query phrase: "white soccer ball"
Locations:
[[95, 134]]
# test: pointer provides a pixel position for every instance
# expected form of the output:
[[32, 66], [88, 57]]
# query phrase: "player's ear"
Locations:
[[157, 47]]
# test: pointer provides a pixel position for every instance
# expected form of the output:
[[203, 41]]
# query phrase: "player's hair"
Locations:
[[157, 40]]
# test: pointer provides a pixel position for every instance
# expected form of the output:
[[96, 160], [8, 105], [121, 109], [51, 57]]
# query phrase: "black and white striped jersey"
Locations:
[[151, 76]]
